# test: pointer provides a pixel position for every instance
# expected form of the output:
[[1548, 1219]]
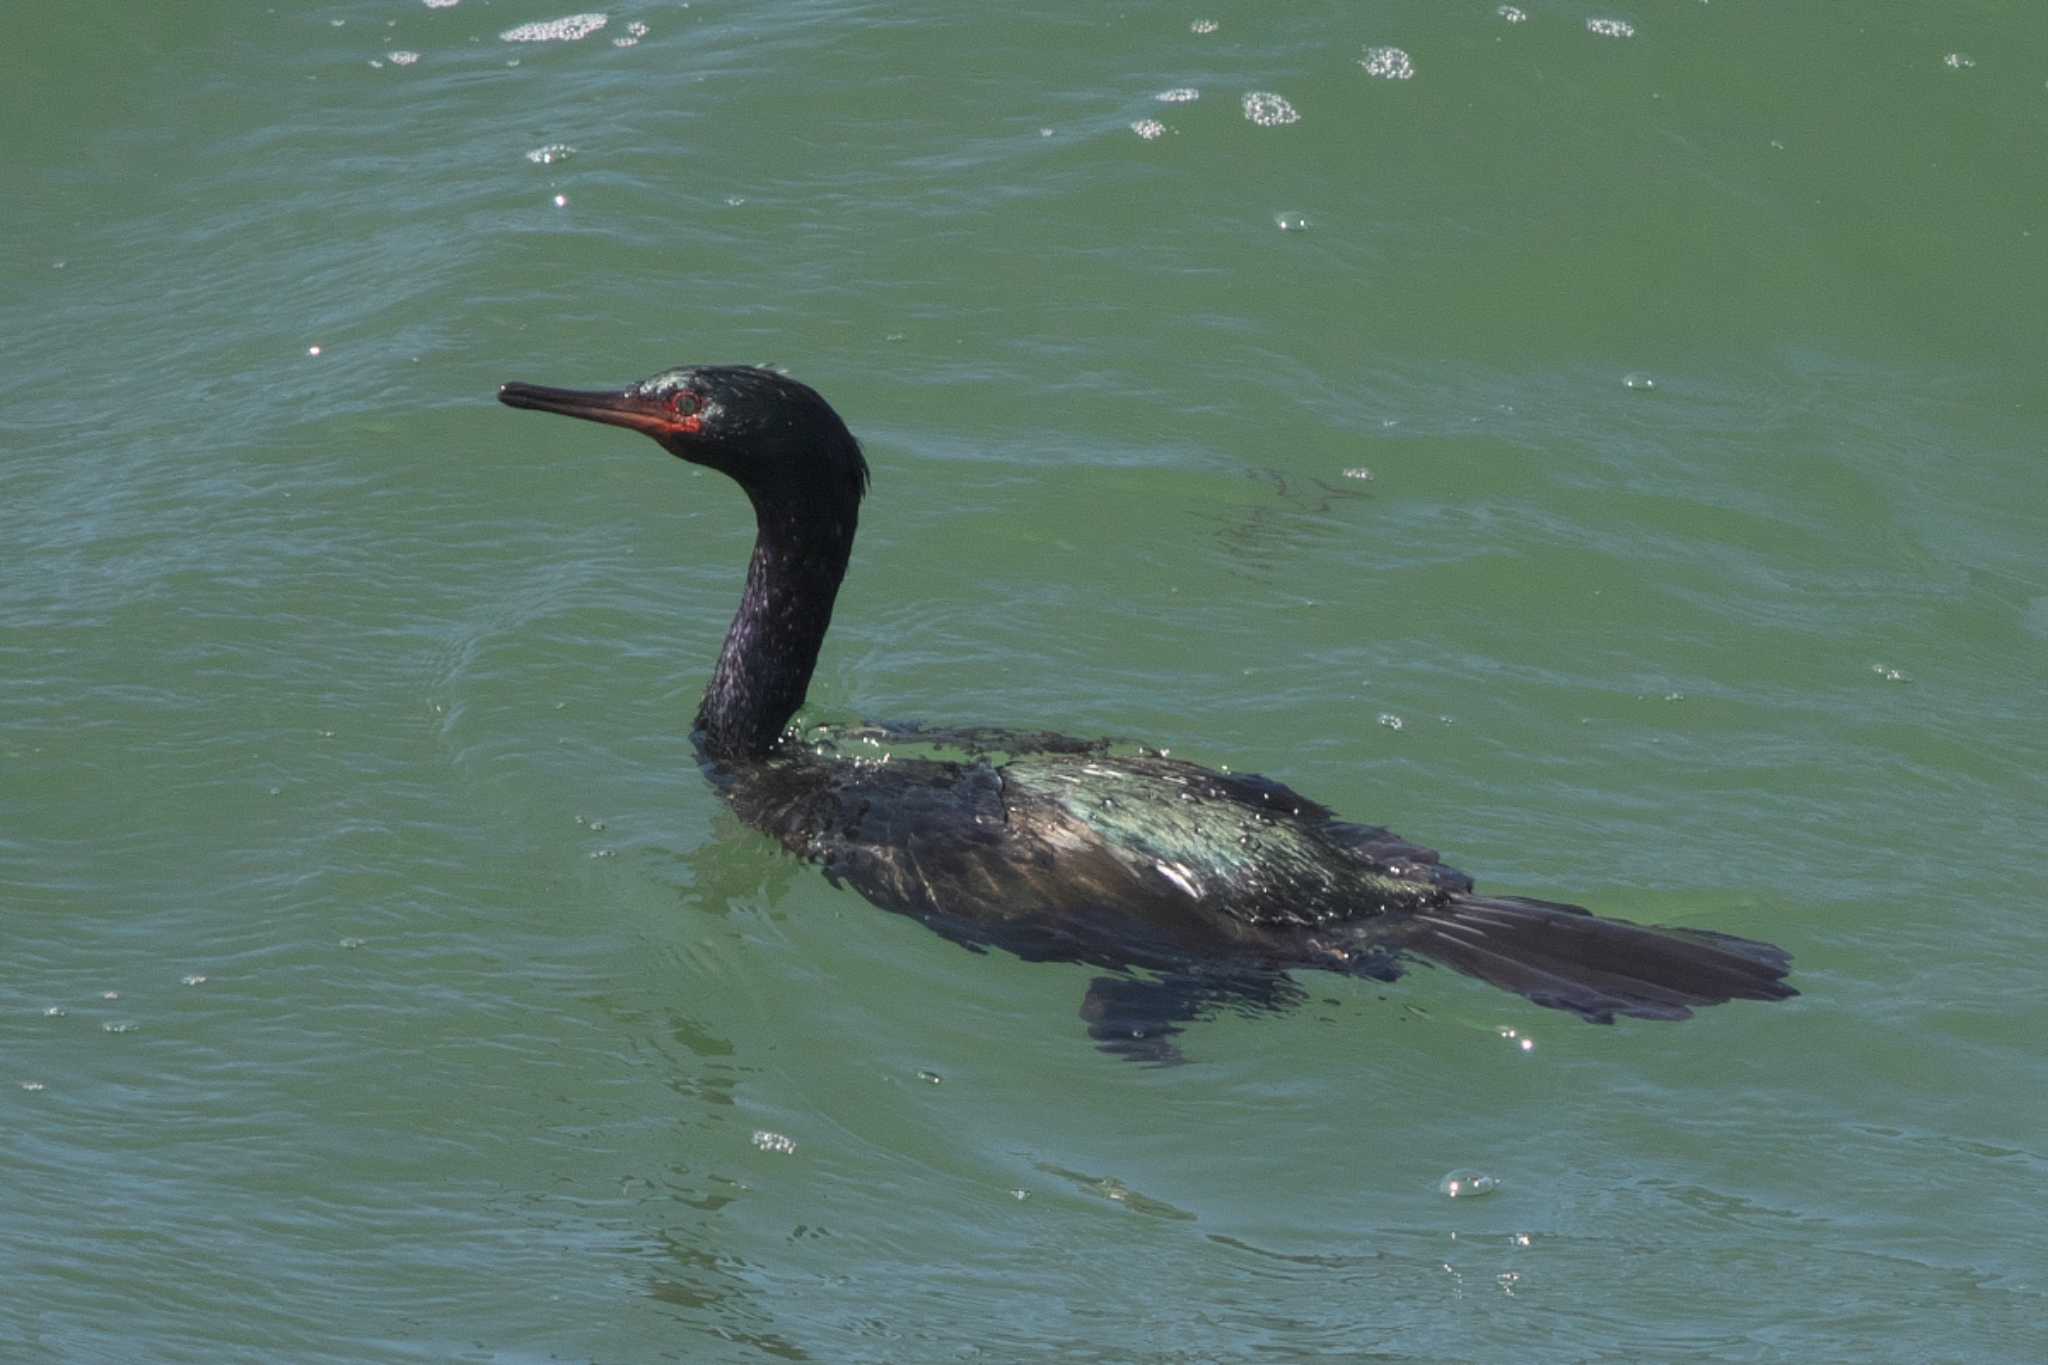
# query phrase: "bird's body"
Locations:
[[1082, 853], [1215, 884]]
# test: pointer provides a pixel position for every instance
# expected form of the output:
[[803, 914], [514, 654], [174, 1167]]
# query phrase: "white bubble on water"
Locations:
[[1203, 26], [1958, 61], [567, 29], [442, 4], [402, 58], [1388, 64], [1390, 720], [1512, 15], [1269, 110], [550, 154], [1151, 129], [1611, 28], [1291, 222], [1637, 382], [773, 1142], [1467, 1184], [1184, 94]]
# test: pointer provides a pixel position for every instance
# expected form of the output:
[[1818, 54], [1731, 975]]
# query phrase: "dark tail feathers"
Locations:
[[1563, 957]]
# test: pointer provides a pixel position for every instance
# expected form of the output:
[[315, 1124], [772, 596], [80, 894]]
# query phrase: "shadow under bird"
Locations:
[[1195, 888]]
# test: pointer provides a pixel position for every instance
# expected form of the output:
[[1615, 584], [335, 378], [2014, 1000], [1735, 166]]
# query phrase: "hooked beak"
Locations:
[[619, 409]]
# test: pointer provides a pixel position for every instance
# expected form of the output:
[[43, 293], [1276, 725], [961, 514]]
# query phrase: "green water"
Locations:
[[381, 982]]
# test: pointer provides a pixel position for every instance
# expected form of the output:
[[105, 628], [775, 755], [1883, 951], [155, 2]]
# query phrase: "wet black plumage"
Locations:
[[1214, 884]]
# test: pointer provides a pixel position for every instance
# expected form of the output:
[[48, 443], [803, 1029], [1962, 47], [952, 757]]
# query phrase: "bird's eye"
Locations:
[[684, 403]]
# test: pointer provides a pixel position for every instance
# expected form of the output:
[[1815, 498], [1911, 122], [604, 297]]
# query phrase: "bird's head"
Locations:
[[773, 436]]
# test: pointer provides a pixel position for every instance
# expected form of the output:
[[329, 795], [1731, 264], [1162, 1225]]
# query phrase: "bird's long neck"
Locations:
[[800, 556]]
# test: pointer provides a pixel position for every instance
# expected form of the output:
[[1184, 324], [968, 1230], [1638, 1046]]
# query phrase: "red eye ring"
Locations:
[[685, 408]]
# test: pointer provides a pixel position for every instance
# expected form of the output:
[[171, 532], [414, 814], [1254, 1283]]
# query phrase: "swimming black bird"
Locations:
[[1212, 885]]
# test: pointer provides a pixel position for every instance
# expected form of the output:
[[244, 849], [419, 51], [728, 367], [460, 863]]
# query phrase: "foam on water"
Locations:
[[1269, 110], [567, 29], [1388, 64]]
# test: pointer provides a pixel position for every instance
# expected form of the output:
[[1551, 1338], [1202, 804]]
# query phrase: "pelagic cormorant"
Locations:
[[1213, 885]]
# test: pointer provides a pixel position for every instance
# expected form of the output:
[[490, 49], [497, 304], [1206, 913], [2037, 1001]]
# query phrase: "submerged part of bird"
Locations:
[[1191, 889]]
